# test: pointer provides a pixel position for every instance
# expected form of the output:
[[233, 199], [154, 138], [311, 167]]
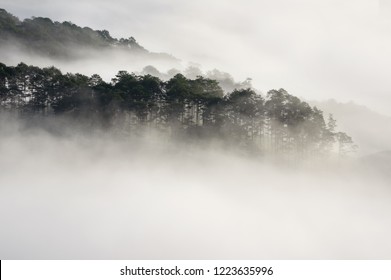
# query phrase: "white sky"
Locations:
[[315, 49]]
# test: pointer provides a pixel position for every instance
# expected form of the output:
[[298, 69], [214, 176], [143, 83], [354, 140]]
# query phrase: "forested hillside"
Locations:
[[43, 36], [277, 123], [193, 105]]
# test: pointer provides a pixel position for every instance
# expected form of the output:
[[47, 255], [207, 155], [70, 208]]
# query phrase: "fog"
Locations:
[[370, 130], [68, 194], [315, 49], [90, 61]]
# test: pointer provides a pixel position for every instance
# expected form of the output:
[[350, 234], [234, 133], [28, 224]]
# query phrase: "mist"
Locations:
[[69, 190], [87, 194], [370, 130], [89, 61]]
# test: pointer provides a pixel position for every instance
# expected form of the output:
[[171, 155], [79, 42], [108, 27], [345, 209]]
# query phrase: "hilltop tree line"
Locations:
[[58, 39], [277, 123]]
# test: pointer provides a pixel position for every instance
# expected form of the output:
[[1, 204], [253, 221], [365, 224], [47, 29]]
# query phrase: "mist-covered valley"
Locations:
[[111, 151]]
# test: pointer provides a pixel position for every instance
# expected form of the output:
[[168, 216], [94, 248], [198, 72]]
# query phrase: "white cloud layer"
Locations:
[[95, 197]]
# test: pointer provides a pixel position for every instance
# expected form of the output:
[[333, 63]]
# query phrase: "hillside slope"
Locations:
[[48, 38]]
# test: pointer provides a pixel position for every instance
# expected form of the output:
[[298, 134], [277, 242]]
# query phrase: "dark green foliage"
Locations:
[[8, 23], [279, 123]]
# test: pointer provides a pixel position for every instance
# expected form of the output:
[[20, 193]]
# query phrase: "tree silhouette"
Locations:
[[279, 123]]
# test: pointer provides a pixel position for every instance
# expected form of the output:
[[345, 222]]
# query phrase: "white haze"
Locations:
[[87, 61], [315, 49], [370, 130], [96, 196]]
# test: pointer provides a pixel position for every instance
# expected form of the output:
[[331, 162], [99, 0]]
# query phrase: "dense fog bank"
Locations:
[[95, 195]]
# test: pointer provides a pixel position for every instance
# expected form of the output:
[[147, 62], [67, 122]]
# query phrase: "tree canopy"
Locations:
[[278, 123]]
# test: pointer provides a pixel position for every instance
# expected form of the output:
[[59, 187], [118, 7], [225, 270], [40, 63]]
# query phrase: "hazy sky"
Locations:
[[314, 49]]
